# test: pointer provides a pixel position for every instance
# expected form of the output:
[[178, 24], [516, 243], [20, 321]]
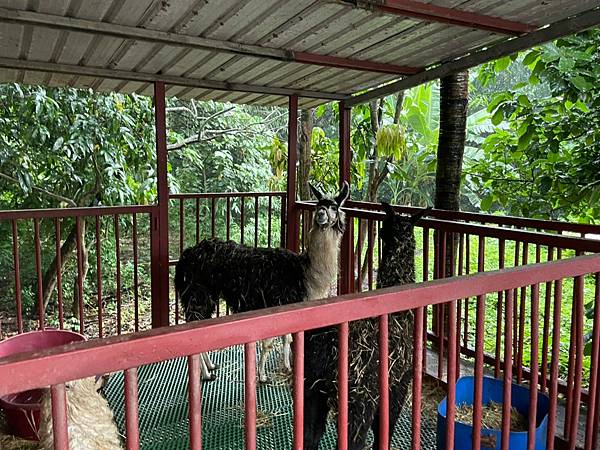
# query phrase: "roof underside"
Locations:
[[253, 51]]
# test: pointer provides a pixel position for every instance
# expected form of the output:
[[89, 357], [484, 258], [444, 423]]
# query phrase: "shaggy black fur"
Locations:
[[396, 268]]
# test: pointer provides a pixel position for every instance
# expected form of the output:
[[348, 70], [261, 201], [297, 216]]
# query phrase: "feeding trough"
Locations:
[[22, 410], [491, 438]]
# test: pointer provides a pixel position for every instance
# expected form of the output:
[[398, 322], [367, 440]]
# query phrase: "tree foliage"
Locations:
[[543, 158]]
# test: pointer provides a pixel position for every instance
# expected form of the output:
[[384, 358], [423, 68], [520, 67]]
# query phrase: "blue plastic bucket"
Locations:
[[492, 391]]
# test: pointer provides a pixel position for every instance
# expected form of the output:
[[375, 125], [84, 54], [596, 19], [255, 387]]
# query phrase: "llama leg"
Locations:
[[315, 414], [266, 346], [287, 357], [398, 394], [206, 375], [209, 364], [361, 410]]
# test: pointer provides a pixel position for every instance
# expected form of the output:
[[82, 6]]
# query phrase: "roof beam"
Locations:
[[452, 16], [39, 66], [565, 27], [195, 42]]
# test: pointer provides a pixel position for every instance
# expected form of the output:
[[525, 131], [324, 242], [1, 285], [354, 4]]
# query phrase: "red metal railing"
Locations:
[[458, 332], [55, 366], [251, 218], [52, 247]]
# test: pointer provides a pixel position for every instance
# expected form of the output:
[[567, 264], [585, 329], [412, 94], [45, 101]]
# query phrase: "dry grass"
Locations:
[[9, 442], [492, 417]]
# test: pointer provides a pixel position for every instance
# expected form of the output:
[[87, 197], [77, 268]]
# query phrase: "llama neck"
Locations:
[[323, 250]]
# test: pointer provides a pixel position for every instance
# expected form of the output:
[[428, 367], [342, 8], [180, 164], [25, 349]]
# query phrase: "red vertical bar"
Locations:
[[451, 376], [579, 344], [591, 426], [213, 216], [522, 312], [515, 306], [270, 219], [533, 388], [479, 337], [554, 362], [384, 398], [283, 242], [343, 387], [370, 254], [250, 394], [60, 427], [423, 314], [38, 271], [57, 239], [359, 258], [99, 276], [501, 255], [442, 318], [467, 271], [346, 259], [197, 210], [195, 402], [298, 355], [228, 218], [571, 363], [546, 337], [419, 333], [136, 298], [118, 269], [461, 248], [17, 268], [242, 218], [292, 209], [132, 436], [181, 226], [256, 221], [160, 298], [507, 385], [79, 271]]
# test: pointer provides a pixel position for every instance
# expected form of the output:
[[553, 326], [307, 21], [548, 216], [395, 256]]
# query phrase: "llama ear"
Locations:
[[318, 195], [341, 198], [388, 208], [414, 219]]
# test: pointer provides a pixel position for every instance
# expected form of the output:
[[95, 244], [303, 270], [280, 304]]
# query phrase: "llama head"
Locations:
[[399, 228], [328, 213]]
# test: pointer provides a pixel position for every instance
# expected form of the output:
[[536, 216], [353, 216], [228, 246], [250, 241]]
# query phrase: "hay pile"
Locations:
[[491, 417], [9, 442]]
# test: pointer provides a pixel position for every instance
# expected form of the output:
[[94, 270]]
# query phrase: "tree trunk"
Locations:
[[50, 277], [85, 266], [376, 178], [454, 99], [304, 150]]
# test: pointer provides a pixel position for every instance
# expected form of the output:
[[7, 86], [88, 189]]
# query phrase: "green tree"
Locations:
[[543, 158]]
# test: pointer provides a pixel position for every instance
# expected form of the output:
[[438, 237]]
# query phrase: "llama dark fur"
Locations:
[[250, 278], [397, 267]]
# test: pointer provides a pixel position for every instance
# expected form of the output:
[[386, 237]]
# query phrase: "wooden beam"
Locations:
[[195, 42], [168, 79], [452, 16], [565, 27]]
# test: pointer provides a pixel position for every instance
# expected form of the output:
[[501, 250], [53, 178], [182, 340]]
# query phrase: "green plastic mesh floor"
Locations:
[[163, 409]]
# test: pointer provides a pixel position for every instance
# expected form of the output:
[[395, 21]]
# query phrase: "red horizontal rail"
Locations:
[[538, 224], [85, 359], [53, 213], [226, 194], [453, 16], [354, 64], [531, 237]]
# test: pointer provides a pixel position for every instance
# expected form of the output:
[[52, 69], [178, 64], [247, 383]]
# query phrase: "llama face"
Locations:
[[396, 226], [327, 211]]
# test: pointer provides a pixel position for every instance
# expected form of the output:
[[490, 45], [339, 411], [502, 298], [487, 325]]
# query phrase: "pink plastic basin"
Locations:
[[22, 410]]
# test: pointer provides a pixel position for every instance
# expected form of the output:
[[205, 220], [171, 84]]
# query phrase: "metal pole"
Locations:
[[346, 272], [292, 210]]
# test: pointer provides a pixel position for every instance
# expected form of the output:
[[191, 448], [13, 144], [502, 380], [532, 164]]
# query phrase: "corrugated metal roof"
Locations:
[[123, 45]]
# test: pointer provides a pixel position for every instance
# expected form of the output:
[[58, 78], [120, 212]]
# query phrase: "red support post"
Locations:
[[160, 225], [346, 260], [292, 210]]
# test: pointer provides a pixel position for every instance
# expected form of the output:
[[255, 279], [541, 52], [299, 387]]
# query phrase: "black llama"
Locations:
[[250, 278], [397, 267]]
